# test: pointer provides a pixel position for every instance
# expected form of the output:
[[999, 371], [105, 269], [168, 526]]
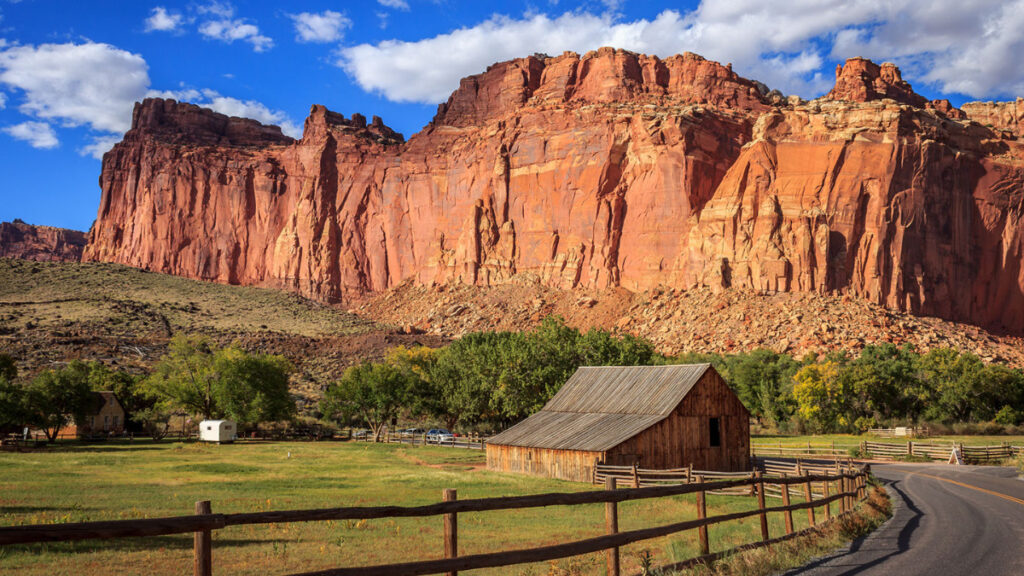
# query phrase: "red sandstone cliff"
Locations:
[[40, 243], [607, 169]]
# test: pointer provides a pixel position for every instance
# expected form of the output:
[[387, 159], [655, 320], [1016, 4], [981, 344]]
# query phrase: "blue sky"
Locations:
[[70, 70]]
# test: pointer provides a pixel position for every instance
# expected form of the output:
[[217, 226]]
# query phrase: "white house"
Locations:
[[219, 431]]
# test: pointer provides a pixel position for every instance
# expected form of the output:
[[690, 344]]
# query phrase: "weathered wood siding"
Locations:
[[574, 465], [683, 438]]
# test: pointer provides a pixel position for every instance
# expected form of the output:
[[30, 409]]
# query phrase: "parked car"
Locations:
[[415, 432], [440, 436], [360, 434]]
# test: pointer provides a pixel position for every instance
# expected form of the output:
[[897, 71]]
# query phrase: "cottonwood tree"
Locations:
[[198, 378], [56, 396], [370, 392], [12, 396]]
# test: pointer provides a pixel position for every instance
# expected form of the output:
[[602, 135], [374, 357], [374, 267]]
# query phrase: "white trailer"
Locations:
[[219, 431]]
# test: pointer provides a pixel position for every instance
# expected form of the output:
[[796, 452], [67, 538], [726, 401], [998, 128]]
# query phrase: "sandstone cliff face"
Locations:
[[40, 243], [1006, 118], [602, 170]]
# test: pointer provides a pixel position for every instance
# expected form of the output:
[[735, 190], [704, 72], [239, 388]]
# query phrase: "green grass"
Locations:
[[74, 483]]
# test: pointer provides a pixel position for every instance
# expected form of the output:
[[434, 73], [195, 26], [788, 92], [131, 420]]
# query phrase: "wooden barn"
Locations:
[[655, 416]]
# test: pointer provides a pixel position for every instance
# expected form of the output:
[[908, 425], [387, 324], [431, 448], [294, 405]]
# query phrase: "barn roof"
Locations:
[[600, 407]]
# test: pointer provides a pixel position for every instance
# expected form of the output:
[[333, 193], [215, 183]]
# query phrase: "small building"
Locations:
[[657, 417], [219, 431], [105, 417]]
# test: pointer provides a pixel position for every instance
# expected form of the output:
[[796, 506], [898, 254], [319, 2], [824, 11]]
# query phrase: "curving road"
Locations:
[[947, 521]]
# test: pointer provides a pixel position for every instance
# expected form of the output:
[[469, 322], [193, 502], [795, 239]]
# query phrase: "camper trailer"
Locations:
[[219, 431]]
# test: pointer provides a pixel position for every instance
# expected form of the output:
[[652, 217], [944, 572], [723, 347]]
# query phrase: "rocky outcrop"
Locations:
[[40, 243], [610, 169], [1007, 118]]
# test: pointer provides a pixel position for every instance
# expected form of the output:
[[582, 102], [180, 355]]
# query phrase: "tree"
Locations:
[[252, 388], [823, 397], [370, 392], [884, 382], [12, 396], [763, 380], [8, 368], [197, 378], [55, 395], [467, 375], [183, 379], [955, 381]]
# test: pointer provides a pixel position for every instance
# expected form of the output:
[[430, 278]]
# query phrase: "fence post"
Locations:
[[451, 528], [702, 513], [760, 506], [788, 514], [202, 544], [611, 525], [828, 505], [842, 501], [636, 476], [810, 498]]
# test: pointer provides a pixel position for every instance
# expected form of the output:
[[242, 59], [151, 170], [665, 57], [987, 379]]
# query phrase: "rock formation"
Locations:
[[610, 169], [40, 243]]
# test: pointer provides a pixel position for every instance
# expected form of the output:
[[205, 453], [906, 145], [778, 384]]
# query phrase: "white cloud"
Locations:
[[100, 145], [396, 4], [37, 134], [97, 85], [3, 100], [326, 26], [233, 107], [162, 20], [78, 84], [226, 28], [966, 46], [231, 30]]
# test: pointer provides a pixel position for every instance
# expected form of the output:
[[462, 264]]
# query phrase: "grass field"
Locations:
[[75, 483], [131, 301]]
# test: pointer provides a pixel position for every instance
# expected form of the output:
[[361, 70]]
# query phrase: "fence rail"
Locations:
[[851, 486], [940, 452], [473, 442], [808, 449]]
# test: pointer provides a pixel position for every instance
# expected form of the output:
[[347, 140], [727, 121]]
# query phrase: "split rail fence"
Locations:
[[808, 449], [940, 452], [851, 487], [473, 442]]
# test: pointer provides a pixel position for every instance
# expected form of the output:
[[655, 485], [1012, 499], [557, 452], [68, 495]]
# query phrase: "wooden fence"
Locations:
[[940, 452], [901, 431], [473, 442], [637, 477], [808, 449], [852, 487]]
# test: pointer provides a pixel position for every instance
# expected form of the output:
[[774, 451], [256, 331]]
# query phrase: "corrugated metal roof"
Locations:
[[600, 407]]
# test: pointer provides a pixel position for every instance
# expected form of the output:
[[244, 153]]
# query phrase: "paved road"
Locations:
[[947, 521]]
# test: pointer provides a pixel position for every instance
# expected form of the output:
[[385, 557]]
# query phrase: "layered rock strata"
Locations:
[[40, 243], [610, 169]]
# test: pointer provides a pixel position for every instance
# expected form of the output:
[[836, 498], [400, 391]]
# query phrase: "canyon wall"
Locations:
[[602, 170], [40, 243]]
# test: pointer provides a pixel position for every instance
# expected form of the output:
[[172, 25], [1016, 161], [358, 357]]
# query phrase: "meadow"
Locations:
[[114, 480]]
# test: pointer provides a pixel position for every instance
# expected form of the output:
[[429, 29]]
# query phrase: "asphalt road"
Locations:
[[947, 521]]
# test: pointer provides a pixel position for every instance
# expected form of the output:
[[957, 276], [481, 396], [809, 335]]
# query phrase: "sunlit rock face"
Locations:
[[40, 243], [610, 169]]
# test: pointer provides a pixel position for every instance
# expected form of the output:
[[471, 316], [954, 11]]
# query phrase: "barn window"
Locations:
[[715, 431]]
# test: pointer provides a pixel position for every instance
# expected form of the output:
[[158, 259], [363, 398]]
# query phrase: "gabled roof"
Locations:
[[600, 407], [101, 399]]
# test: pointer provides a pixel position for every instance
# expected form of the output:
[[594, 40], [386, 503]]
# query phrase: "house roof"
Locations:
[[600, 407], [101, 399]]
